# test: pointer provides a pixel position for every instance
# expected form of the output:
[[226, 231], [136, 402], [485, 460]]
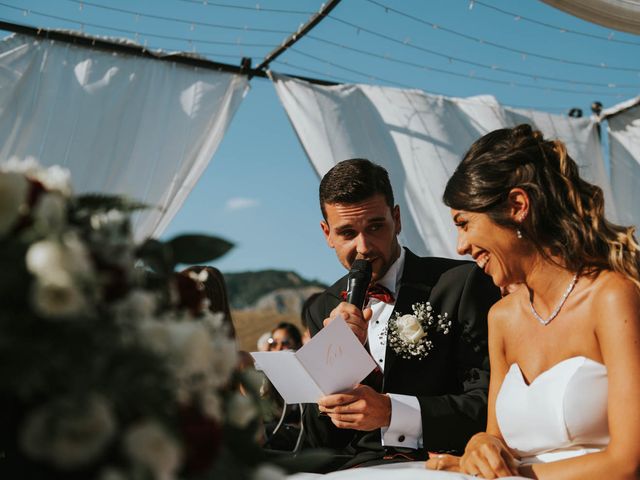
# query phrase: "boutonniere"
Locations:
[[408, 334]]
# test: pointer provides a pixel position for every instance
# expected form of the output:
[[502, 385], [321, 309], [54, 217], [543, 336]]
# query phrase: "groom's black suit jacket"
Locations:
[[451, 383]]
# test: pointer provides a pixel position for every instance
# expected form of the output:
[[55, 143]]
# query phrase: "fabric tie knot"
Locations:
[[381, 293], [377, 291]]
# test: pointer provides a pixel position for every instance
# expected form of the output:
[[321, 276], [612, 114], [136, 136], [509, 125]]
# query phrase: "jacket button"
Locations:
[[401, 438]]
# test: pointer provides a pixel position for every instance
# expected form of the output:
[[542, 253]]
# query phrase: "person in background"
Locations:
[[263, 342], [306, 334], [215, 290], [283, 432], [285, 336]]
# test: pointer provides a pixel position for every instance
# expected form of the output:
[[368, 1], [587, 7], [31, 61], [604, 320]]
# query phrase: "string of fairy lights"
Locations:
[[256, 38], [609, 38], [483, 41]]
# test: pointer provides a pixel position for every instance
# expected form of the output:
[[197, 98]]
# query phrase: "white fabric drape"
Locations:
[[624, 147], [121, 124], [621, 15], [420, 139]]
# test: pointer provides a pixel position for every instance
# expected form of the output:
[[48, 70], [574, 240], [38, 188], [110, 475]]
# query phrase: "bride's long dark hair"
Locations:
[[566, 213]]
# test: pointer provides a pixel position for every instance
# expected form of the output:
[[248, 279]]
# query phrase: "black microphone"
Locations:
[[358, 282]]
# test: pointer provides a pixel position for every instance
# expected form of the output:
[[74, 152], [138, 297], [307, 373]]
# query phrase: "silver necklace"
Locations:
[[555, 312]]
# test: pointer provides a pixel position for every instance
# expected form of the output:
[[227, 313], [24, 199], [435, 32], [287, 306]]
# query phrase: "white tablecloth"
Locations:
[[395, 471]]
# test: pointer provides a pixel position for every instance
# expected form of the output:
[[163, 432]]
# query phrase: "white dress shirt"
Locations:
[[405, 427]]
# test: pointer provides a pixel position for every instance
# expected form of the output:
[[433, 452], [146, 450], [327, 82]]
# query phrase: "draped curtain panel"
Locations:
[[420, 139], [624, 151], [121, 124], [623, 15]]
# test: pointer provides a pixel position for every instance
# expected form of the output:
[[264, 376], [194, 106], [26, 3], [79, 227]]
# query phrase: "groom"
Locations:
[[435, 399]]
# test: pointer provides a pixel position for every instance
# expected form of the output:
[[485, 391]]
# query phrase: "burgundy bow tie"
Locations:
[[377, 291]]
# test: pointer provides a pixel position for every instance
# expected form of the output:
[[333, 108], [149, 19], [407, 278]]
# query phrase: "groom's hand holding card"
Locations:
[[333, 361]]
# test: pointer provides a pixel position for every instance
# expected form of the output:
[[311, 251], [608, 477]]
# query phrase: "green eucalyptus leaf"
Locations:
[[156, 255], [197, 248]]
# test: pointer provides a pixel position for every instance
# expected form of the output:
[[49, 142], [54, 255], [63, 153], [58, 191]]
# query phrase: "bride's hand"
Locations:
[[443, 461], [487, 457]]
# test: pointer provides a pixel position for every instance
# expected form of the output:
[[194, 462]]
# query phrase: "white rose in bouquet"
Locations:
[[409, 329], [58, 297], [241, 410], [186, 343], [48, 258], [212, 405], [54, 178], [138, 306], [202, 361], [49, 214], [67, 433], [62, 271], [224, 359], [148, 444]]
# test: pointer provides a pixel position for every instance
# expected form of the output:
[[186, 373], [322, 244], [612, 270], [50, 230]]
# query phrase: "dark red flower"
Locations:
[[36, 189], [202, 438], [191, 293]]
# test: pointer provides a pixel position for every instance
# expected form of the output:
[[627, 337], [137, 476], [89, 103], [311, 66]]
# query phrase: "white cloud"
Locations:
[[239, 203]]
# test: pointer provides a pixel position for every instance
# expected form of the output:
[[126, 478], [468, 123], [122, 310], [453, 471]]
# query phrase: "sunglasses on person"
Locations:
[[284, 343]]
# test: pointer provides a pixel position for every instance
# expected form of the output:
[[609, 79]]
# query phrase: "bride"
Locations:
[[564, 399]]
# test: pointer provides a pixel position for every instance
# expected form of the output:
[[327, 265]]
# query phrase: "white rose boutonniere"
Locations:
[[409, 329], [408, 334]]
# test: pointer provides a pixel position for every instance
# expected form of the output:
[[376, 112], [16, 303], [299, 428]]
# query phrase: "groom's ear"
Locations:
[[326, 230], [395, 213]]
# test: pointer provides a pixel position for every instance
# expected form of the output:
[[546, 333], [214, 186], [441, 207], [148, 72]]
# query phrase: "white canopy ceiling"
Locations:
[[623, 15]]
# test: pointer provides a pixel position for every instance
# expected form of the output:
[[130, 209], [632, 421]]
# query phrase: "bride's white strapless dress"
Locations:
[[561, 414]]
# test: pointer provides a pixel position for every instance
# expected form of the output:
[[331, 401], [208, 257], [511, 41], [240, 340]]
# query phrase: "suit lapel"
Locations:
[[412, 290]]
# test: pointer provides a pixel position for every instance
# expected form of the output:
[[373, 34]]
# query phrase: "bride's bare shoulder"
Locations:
[[502, 312], [608, 285], [614, 292]]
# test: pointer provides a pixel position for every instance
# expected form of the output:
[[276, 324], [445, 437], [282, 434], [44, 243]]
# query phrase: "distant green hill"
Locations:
[[245, 288]]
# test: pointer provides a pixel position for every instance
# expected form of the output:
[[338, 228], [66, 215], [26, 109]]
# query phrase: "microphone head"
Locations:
[[358, 282], [361, 268]]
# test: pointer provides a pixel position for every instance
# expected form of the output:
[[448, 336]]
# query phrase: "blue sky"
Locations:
[[260, 190]]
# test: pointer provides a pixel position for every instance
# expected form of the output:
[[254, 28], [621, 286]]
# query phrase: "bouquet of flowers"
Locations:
[[112, 365]]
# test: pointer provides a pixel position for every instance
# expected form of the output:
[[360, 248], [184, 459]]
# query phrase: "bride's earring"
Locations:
[[518, 231]]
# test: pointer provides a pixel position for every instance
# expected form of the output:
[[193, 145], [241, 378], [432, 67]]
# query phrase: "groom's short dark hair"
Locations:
[[352, 181]]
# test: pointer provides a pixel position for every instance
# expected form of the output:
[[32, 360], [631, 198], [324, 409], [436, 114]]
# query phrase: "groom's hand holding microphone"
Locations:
[[361, 408], [352, 310]]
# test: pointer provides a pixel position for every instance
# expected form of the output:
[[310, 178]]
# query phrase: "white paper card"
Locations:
[[287, 374], [333, 361]]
